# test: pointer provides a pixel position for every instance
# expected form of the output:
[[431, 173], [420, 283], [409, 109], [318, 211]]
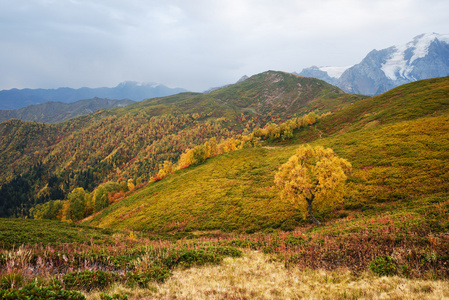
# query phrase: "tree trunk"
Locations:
[[309, 209]]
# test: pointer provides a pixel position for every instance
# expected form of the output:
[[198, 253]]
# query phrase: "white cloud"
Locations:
[[196, 44]]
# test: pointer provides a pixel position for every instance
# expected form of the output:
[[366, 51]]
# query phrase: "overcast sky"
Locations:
[[196, 44]]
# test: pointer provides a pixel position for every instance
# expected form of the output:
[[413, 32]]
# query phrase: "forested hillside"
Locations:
[[398, 144], [41, 162]]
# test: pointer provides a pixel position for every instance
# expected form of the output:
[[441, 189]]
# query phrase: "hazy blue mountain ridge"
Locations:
[[55, 112], [17, 98]]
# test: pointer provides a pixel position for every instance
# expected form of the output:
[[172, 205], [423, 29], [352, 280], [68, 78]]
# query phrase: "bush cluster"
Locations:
[[383, 265], [142, 279], [34, 291], [88, 280]]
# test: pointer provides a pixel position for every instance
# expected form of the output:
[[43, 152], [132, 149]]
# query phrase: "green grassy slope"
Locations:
[[402, 159], [407, 102], [228, 192], [16, 232]]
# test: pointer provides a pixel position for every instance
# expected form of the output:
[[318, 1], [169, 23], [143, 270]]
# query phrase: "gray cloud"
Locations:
[[196, 44]]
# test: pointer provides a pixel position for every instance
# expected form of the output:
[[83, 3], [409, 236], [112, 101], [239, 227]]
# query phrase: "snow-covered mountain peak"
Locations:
[[400, 62], [425, 56], [334, 72]]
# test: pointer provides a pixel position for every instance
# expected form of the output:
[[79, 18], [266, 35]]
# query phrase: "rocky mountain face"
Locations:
[[17, 98], [426, 56]]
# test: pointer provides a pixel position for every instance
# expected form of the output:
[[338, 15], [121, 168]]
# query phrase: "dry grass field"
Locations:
[[255, 276]]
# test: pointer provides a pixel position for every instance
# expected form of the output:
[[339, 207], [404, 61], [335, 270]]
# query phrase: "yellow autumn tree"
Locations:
[[166, 169], [211, 147], [131, 184], [314, 175]]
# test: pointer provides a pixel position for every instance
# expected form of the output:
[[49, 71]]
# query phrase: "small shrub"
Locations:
[[113, 297], [156, 273], [225, 251], [295, 258], [188, 258], [251, 230], [269, 249], [288, 225], [343, 215], [406, 271], [383, 266], [245, 244], [269, 230], [293, 241], [88, 280]]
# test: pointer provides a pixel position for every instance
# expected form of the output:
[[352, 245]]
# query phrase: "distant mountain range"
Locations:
[[426, 56], [17, 98], [55, 112]]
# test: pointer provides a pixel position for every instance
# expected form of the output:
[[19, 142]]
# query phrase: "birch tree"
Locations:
[[313, 175]]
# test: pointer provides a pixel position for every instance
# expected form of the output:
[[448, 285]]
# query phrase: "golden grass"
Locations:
[[255, 276]]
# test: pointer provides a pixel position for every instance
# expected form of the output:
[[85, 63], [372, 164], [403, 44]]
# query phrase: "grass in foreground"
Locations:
[[347, 256], [255, 276]]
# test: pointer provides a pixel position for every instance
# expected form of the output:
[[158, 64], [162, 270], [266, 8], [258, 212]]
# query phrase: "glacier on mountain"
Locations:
[[398, 64], [426, 56]]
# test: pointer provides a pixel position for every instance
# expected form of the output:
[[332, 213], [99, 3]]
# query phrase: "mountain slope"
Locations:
[[426, 56], [17, 98], [228, 192], [407, 102], [271, 93], [55, 112], [398, 148], [133, 141]]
